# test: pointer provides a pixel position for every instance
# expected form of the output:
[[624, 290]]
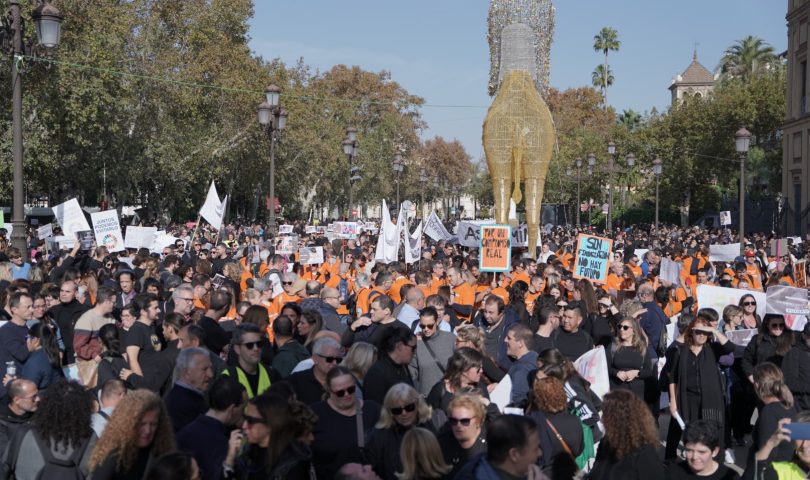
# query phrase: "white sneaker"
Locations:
[[730, 458]]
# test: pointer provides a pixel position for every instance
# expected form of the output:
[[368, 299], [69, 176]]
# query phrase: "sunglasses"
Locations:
[[331, 359], [251, 345], [345, 391], [456, 421], [427, 327], [254, 420], [625, 327], [749, 304], [700, 332], [286, 283], [780, 326], [395, 411]]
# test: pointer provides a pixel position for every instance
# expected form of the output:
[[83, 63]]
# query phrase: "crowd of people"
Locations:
[[226, 360]]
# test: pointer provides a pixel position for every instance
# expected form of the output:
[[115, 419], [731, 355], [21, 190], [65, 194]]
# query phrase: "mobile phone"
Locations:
[[799, 431]]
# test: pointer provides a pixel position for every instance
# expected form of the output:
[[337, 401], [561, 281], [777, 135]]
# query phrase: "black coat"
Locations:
[[184, 405], [383, 375], [761, 348], [796, 367], [383, 450], [642, 464], [65, 315]]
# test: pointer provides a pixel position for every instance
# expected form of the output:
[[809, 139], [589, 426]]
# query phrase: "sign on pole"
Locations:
[[495, 248], [45, 231], [592, 260], [725, 218], [469, 234]]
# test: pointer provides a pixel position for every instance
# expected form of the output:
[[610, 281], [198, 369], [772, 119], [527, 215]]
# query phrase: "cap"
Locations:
[[750, 254]]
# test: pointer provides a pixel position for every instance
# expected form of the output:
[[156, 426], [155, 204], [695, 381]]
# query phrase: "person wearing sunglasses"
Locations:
[[255, 377], [628, 358], [344, 421], [403, 409], [309, 384], [396, 353], [466, 437], [751, 318], [433, 348]]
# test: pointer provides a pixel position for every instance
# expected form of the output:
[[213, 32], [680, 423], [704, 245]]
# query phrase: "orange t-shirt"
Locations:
[[522, 276], [502, 293], [464, 295], [396, 286], [334, 282], [436, 283]]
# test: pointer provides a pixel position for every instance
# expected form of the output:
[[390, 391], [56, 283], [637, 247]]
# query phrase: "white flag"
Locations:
[[413, 247], [435, 229], [390, 237], [213, 209]]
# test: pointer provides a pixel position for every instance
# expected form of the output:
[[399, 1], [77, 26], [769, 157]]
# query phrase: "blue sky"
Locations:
[[438, 49]]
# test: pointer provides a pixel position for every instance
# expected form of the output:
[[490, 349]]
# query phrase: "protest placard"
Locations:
[[495, 248], [592, 259], [469, 234], [140, 237], [592, 366], [310, 229], [287, 245], [725, 218], [108, 230], [724, 253], [779, 247], [86, 239], [785, 300], [63, 241], [161, 241], [741, 337], [434, 228], [520, 237], [670, 271], [285, 229], [310, 255], [71, 217], [800, 271], [346, 230], [709, 296], [45, 231]]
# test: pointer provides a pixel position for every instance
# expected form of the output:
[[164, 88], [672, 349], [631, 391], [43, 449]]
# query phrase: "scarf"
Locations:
[[712, 402]]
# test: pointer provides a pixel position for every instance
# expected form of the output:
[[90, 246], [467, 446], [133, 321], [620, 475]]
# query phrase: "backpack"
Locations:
[[343, 291], [56, 469], [663, 341]]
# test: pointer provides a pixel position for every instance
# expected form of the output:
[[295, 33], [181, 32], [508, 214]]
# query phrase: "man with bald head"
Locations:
[[66, 314], [330, 302], [409, 311], [23, 398]]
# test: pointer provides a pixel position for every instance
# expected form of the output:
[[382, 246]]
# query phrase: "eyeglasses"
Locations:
[[779, 326], [424, 326], [749, 304], [465, 422], [251, 345], [395, 411], [602, 305], [346, 391], [412, 347], [286, 283], [254, 420], [330, 359], [625, 327]]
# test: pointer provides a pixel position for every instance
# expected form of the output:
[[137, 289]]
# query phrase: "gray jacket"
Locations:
[[425, 369], [30, 459]]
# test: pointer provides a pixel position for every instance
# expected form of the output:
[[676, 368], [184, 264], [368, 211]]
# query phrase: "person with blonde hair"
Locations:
[[139, 431], [776, 403], [421, 456], [472, 337], [360, 357], [466, 437], [403, 409]]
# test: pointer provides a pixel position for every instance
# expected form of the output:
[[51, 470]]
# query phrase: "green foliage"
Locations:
[[747, 57]]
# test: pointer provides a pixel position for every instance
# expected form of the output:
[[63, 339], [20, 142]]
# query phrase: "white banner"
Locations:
[[70, 217], [108, 230], [434, 228], [469, 234], [709, 296], [670, 271], [161, 241], [592, 366], [310, 255], [520, 237], [724, 253], [213, 209], [140, 237], [45, 231], [390, 236], [413, 251]]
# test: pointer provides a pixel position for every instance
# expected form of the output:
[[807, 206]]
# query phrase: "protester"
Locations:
[[186, 400], [174, 465], [397, 350], [466, 437], [421, 456], [310, 384], [44, 365], [701, 441], [111, 393], [563, 428], [513, 448], [14, 345], [23, 400]]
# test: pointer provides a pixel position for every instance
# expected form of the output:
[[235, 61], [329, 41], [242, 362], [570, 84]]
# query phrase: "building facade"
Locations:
[[796, 129], [696, 81]]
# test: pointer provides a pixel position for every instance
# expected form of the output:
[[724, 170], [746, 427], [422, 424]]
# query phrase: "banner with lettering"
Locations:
[[592, 260], [496, 248]]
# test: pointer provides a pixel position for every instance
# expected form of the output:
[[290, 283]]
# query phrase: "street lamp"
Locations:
[[657, 171], [398, 167], [350, 150], [274, 119], [630, 160], [611, 151], [742, 142], [578, 163], [423, 178], [48, 25]]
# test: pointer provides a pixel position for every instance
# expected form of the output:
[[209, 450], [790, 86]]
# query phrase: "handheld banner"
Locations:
[[592, 260], [108, 230], [71, 217], [496, 248]]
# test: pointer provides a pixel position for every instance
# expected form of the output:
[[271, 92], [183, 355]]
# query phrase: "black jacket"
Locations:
[[65, 315], [383, 447], [761, 348], [796, 367], [184, 405], [383, 375], [10, 422], [288, 356]]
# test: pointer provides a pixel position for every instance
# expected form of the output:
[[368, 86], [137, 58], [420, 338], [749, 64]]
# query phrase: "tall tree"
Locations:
[[599, 80], [746, 57], [605, 41], [631, 119]]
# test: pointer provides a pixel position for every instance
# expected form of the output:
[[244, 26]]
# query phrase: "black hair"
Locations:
[[50, 421], [703, 431], [171, 466], [47, 339], [108, 334], [283, 326], [225, 392], [396, 335], [505, 433]]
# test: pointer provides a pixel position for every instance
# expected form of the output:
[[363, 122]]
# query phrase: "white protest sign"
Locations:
[[140, 237], [709, 296], [520, 236], [45, 231], [287, 245], [670, 271], [640, 252], [502, 393], [108, 230], [725, 218], [64, 241], [310, 229], [161, 241], [285, 229], [724, 253], [469, 234], [310, 255], [434, 228], [71, 217], [784, 300], [592, 366], [347, 230]]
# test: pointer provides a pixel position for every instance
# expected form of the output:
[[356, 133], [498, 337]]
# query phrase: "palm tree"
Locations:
[[746, 57], [606, 40], [598, 78], [630, 119]]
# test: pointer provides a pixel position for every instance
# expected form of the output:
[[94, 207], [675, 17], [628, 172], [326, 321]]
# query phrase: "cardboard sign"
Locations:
[[800, 272], [140, 237], [724, 253], [310, 255], [495, 248], [592, 259], [784, 300], [71, 217], [285, 229], [725, 218], [347, 229], [45, 231], [287, 245], [709, 296], [108, 230], [469, 234]]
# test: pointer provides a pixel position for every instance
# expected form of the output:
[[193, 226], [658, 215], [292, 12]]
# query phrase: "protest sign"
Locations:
[[670, 271], [741, 337], [495, 252], [434, 228], [140, 237], [161, 241], [779, 247], [725, 218], [640, 252], [330, 227], [592, 366], [469, 234], [346, 229], [285, 229], [520, 237], [63, 241], [724, 253], [2, 219], [310, 229], [71, 217], [413, 248], [502, 394], [784, 300], [310, 255], [709, 296], [592, 258], [45, 231], [86, 240], [287, 245], [800, 271], [108, 230]]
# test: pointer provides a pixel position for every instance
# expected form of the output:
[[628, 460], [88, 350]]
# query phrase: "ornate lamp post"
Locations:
[[398, 167], [48, 25], [274, 119], [657, 171], [350, 150], [742, 142]]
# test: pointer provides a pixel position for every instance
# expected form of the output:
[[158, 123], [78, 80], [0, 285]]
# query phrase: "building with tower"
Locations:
[[695, 81]]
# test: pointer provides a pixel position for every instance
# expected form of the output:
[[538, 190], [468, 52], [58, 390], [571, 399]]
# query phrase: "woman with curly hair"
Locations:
[[628, 358], [139, 431], [628, 449], [403, 409], [68, 437], [549, 409]]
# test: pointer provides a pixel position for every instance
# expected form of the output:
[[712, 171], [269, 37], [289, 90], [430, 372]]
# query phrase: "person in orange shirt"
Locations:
[[397, 270], [202, 288], [500, 290], [422, 279], [535, 290], [520, 272], [288, 281], [362, 286], [616, 277], [752, 269], [334, 282], [382, 283], [438, 277], [463, 295], [633, 265]]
